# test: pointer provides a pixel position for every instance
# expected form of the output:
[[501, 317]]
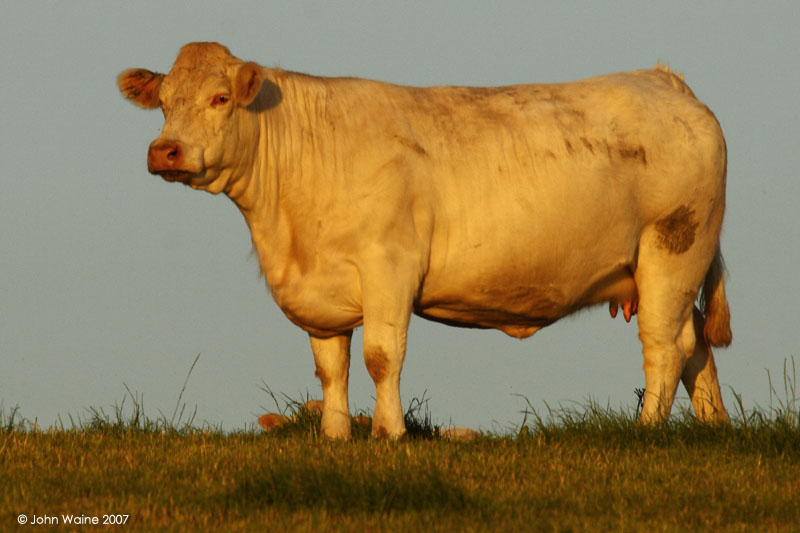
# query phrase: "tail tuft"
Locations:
[[714, 304]]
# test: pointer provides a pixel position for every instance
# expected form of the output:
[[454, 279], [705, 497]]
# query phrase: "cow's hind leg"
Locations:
[[667, 284], [664, 360], [332, 357], [700, 373]]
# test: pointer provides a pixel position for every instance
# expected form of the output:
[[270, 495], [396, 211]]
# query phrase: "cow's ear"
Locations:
[[141, 87], [248, 82]]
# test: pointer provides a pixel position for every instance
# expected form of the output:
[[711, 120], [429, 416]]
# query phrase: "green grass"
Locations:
[[570, 469]]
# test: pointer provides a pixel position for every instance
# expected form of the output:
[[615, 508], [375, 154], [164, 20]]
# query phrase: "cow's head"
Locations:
[[205, 99]]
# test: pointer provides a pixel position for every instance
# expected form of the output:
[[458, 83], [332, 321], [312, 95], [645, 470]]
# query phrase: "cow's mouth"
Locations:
[[176, 175]]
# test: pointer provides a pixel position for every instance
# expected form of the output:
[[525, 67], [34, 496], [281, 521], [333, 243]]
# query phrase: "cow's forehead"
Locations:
[[194, 80], [199, 65]]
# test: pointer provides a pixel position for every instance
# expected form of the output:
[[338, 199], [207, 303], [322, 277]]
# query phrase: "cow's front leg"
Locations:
[[332, 357], [384, 351], [387, 299]]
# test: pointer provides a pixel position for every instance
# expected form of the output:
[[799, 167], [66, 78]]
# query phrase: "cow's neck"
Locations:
[[284, 167], [289, 151]]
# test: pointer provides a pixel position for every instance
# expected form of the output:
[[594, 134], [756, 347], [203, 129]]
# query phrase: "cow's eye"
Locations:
[[219, 99]]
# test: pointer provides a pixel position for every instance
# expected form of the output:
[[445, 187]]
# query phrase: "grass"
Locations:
[[587, 468]]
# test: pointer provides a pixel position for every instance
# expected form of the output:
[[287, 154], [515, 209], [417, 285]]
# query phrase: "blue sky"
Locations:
[[110, 277]]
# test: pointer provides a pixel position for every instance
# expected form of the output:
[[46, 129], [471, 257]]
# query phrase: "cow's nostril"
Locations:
[[165, 156]]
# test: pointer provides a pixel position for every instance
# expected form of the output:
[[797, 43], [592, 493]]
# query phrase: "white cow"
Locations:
[[503, 207]]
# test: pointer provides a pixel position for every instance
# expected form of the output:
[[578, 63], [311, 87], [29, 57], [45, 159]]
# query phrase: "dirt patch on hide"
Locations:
[[413, 145], [636, 153], [676, 231], [377, 363], [323, 378]]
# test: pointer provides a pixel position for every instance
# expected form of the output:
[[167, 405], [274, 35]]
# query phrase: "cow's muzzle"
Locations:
[[167, 158]]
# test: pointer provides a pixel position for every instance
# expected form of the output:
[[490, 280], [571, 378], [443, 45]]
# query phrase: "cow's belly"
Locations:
[[520, 259], [520, 300]]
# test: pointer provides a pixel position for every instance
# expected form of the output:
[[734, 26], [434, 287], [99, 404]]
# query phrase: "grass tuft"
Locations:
[[12, 421], [306, 422], [419, 423]]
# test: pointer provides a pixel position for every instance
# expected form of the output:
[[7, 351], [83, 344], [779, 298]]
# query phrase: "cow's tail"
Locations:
[[714, 304]]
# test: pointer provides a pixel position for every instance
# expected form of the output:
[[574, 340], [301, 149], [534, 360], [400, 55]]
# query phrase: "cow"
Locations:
[[483, 207]]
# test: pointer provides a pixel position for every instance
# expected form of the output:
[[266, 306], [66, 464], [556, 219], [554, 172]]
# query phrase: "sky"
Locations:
[[112, 279]]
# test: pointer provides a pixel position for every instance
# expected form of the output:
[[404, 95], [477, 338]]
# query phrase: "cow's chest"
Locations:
[[322, 297]]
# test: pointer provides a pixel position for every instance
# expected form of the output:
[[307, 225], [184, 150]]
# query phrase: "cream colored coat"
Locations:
[[507, 207]]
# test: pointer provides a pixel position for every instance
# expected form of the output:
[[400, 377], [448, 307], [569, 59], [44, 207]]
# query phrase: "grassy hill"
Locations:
[[589, 469]]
